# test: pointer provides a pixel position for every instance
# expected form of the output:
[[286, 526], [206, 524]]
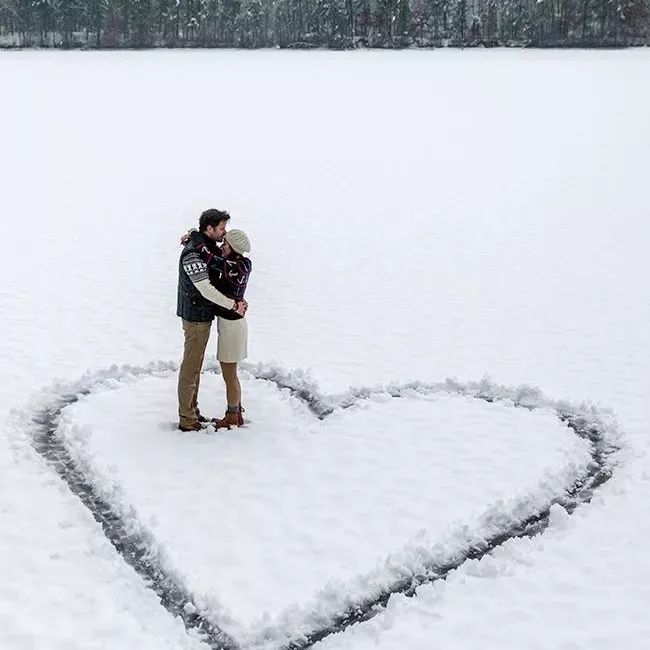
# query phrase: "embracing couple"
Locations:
[[212, 277]]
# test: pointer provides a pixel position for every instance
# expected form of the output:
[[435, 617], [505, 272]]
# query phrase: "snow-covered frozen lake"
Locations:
[[414, 216]]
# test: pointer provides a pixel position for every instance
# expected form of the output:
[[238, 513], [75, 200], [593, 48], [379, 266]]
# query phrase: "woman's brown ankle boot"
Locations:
[[232, 418]]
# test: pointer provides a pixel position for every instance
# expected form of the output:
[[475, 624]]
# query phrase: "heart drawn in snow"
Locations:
[[301, 523]]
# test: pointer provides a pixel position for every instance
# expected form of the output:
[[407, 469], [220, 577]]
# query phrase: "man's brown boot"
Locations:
[[240, 417], [194, 426]]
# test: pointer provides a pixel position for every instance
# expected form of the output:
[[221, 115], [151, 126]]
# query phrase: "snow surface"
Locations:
[[413, 215]]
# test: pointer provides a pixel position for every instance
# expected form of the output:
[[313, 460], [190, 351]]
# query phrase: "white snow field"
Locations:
[[414, 216]]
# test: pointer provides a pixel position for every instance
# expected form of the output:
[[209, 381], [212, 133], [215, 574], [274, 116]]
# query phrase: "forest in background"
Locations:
[[323, 23]]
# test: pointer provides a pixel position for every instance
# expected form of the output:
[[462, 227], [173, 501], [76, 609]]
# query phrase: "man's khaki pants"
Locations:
[[189, 376]]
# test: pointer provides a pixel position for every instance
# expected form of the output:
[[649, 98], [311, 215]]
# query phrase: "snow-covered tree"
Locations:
[[328, 23]]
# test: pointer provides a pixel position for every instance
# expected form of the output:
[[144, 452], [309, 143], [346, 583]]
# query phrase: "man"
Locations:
[[196, 306]]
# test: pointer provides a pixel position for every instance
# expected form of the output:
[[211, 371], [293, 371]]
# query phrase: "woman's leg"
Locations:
[[231, 348], [233, 387]]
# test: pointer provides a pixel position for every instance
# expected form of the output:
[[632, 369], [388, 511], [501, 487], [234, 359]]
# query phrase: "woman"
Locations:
[[229, 271]]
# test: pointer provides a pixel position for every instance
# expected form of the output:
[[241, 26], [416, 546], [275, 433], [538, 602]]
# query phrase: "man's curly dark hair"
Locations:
[[212, 217]]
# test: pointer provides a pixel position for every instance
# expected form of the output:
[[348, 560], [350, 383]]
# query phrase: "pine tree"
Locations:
[[68, 19], [92, 18], [141, 22], [459, 28]]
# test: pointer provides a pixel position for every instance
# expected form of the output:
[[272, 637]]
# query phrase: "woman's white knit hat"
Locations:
[[238, 241]]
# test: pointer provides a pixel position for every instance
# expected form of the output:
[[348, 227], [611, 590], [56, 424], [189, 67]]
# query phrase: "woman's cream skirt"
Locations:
[[232, 341]]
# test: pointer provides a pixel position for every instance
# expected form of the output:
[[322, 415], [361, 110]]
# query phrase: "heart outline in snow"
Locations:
[[139, 549]]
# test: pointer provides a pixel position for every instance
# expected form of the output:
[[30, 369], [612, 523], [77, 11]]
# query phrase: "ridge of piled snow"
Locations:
[[120, 420]]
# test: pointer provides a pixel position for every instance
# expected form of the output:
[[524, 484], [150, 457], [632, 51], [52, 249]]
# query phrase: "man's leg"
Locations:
[[189, 376], [195, 397]]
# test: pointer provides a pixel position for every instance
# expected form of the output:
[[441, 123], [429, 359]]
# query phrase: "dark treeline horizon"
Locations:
[[323, 23]]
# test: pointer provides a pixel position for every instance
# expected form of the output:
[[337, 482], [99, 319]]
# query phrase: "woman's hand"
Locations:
[[186, 237]]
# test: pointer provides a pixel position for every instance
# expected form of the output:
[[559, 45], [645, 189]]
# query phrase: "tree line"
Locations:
[[323, 23]]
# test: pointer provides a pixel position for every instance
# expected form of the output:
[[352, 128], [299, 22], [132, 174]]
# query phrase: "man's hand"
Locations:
[[241, 307]]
